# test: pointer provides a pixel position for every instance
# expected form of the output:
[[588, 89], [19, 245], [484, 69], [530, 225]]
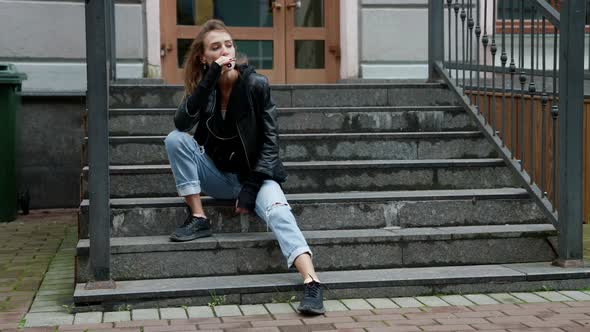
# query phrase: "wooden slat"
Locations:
[[525, 118]]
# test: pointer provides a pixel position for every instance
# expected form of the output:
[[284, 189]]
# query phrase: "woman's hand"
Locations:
[[226, 63], [240, 210]]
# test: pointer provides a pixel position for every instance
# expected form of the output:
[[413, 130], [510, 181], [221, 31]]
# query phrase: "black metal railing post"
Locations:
[[570, 132], [111, 45], [97, 100], [436, 37]]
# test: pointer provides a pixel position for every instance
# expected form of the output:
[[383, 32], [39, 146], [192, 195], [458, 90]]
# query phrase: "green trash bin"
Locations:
[[10, 94]]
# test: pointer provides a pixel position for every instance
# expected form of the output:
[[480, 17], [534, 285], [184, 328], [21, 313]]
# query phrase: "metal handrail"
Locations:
[[460, 70]]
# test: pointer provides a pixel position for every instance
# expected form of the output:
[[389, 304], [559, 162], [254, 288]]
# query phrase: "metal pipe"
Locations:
[[463, 17], [449, 3], [470, 25], [554, 115], [477, 34], [570, 132], [512, 73], [532, 90], [436, 43], [522, 83], [456, 7], [493, 49], [484, 42], [503, 59], [544, 99], [98, 138]]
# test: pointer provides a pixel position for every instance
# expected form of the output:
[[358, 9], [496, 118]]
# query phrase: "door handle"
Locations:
[[164, 49], [334, 49], [276, 5], [296, 4]]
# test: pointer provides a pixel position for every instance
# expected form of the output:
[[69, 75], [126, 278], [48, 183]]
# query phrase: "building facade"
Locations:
[[309, 41]]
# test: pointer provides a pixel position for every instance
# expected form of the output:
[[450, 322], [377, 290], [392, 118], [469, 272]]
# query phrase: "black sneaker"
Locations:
[[313, 299], [193, 228]]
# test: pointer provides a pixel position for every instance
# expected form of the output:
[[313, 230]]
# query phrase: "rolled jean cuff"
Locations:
[[296, 253], [189, 188]]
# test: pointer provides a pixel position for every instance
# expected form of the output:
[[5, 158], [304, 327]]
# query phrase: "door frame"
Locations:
[[282, 34]]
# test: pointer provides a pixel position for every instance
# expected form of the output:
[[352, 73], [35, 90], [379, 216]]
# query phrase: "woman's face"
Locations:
[[217, 43]]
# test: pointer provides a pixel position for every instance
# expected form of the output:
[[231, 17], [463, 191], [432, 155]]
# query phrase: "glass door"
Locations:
[[288, 41], [257, 26], [312, 41]]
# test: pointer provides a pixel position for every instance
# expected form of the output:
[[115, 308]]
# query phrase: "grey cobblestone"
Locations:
[[382, 303], [253, 309], [173, 313], [481, 299], [357, 304], [227, 310], [116, 316], [432, 301], [200, 312], [88, 318], [334, 305], [505, 298], [576, 295], [554, 296], [279, 308], [529, 297], [48, 319], [407, 302], [456, 300], [145, 314]]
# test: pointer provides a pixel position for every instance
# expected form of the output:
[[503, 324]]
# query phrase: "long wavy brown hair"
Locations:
[[193, 67]]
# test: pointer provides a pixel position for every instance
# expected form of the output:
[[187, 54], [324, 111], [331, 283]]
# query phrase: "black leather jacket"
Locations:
[[256, 122]]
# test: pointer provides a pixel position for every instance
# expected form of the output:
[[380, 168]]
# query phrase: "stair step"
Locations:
[[316, 211], [309, 95], [159, 121], [154, 257], [145, 150], [335, 176], [264, 288]]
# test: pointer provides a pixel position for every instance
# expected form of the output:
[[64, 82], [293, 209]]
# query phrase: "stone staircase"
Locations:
[[397, 192]]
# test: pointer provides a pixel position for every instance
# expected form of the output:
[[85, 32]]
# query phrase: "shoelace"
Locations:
[[190, 221], [312, 290]]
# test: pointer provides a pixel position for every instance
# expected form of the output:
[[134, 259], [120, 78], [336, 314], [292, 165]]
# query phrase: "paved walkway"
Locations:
[[36, 285]]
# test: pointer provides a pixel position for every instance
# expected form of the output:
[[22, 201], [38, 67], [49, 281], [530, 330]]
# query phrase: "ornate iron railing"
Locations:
[[526, 94]]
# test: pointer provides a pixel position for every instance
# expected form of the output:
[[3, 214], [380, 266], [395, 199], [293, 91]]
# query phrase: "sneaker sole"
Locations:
[[198, 235], [311, 311]]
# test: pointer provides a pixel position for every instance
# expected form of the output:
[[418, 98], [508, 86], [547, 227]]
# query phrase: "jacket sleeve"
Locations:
[[269, 153], [188, 112]]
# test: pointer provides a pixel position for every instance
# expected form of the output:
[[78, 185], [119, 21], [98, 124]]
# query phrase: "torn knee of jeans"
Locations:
[[275, 205]]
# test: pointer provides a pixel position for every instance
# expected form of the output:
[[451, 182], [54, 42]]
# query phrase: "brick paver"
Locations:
[[31, 245], [27, 246]]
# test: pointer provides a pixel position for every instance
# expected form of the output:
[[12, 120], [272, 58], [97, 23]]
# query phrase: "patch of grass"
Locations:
[[68, 307], [216, 299], [21, 323], [283, 297], [125, 307]]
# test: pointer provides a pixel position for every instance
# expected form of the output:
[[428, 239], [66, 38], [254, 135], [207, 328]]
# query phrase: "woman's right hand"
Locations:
[[223, 61]]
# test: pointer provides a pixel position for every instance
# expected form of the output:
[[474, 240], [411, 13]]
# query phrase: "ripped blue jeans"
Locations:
[[195, 173]]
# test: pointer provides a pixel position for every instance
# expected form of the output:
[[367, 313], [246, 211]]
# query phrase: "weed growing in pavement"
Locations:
[[216, 300], [21, 323], [68, 307], [124, 307]]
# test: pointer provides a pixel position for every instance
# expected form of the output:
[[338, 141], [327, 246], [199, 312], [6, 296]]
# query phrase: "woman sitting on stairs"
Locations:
[[234, 153]]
